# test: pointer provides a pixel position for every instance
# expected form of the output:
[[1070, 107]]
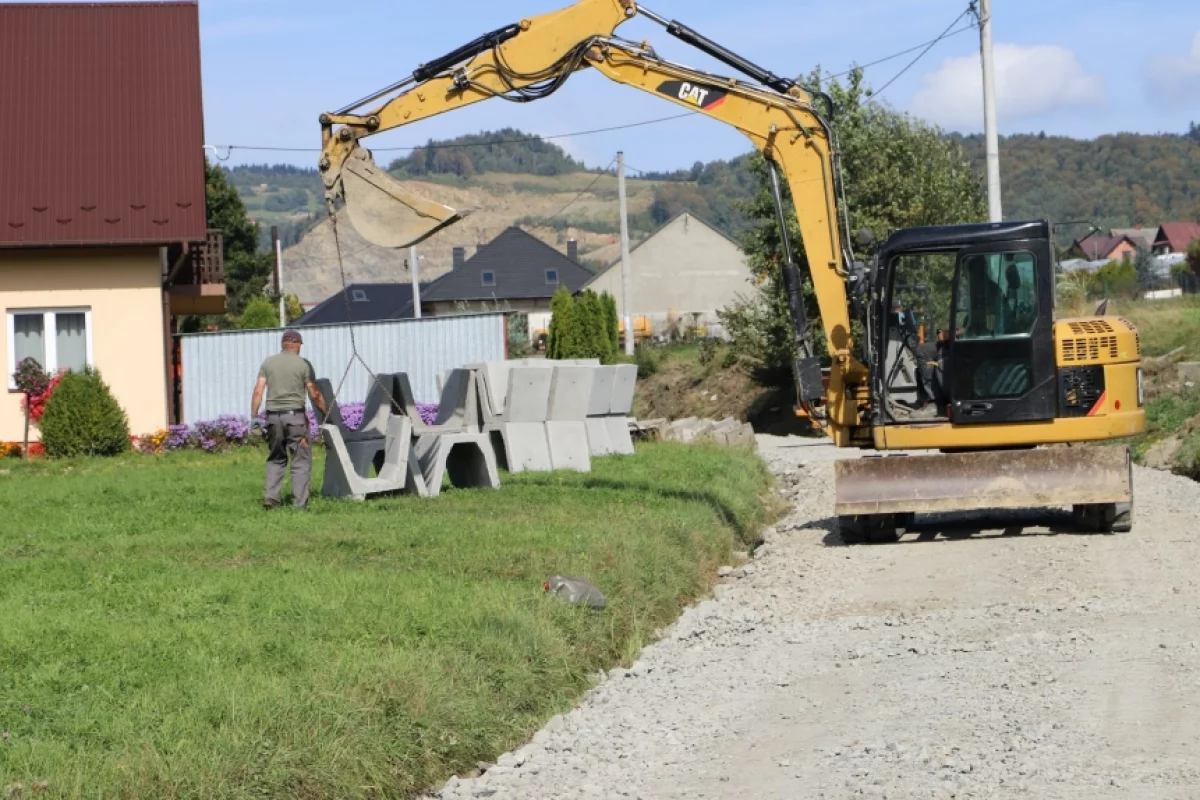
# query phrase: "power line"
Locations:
[[894, 56], [450, 145], [575, 199], [921, 55]]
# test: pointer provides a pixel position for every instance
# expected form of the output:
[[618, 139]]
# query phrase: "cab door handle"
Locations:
[[977, 408]]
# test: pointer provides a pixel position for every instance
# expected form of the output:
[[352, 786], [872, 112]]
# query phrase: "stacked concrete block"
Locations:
[[566, 417], [599, 407], [620, 408]]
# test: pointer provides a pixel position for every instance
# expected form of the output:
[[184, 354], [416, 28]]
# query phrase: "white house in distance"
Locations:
[[685, 267]]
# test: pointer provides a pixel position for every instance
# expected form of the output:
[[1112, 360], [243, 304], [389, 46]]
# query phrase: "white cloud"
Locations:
[[1175, 79], [1030, 81]]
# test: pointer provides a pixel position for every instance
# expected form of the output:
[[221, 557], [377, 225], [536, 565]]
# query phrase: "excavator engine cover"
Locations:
[[1043, 477], [384, 212]]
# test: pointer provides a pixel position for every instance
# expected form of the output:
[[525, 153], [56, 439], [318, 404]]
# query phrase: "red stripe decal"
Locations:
[[711, 106], [1096, 408]]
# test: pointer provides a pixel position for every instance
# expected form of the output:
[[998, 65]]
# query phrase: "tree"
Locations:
[[612, 324], [1143, 263], [293, 308], [260, 314], [246, 269], [559, 339], [1193, 256], [898, 172]]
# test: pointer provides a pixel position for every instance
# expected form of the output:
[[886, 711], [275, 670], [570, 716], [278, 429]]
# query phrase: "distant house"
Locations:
[[368, 302], [1175, 237], [685, 267], [515, 271], [1095, 247], [1141, 237], [103, 237]]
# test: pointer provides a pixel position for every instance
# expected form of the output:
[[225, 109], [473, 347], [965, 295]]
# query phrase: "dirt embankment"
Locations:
[[682, 387]]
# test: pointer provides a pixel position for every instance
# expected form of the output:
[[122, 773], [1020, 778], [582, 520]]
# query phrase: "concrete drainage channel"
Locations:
[[983, 656]]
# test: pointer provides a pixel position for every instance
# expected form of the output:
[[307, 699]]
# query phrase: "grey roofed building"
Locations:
[[1140, 236], [369, 302], [516, 267]]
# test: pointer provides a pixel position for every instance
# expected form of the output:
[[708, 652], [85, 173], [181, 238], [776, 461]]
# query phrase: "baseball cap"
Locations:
[[293, 336]]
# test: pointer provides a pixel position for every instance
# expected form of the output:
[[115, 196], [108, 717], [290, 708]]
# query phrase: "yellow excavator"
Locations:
[[984, 418]]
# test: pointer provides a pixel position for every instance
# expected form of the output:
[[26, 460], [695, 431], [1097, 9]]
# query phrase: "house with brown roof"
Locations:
[[1095, 247], [1176, 237], [103, 235]]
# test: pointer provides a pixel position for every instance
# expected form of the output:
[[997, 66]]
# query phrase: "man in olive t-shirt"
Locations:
[[287, 378]]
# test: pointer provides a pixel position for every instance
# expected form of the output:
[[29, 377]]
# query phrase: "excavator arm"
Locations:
[[529, 60]]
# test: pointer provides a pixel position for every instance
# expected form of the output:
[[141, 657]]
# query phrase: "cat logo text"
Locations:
[[694, 94]]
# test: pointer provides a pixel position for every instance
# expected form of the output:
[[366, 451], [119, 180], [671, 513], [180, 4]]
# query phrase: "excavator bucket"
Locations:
[[383, 211], [1044, 477]]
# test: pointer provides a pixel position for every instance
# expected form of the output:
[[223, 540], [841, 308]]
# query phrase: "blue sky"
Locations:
[[1064, 66]]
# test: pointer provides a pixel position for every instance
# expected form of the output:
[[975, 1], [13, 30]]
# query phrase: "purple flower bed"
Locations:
[[229, 431]]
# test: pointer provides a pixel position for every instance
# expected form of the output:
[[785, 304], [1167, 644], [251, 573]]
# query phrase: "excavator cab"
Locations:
[[993, 360]]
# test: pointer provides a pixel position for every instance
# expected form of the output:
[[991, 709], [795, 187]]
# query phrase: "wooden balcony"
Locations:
[[197, 279]]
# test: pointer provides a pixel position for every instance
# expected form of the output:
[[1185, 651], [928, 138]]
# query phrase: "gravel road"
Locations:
[[1021, 660]]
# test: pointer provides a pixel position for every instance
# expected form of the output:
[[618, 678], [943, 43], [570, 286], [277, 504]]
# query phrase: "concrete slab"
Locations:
[[569, 449], [528, 395], [570, 394], [600, 404], [620, 440], [1189, 371], [624, 385], [526, 448], [597, 433]]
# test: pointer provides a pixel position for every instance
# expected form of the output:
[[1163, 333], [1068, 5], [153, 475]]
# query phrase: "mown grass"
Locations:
[[164, 637]]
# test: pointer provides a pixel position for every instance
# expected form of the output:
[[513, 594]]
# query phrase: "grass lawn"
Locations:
[[1164, 325], [164, 637]]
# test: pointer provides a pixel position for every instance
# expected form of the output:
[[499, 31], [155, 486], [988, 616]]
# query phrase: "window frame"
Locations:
[[957, 296], [49, 337], [554, 282], [483, 277]]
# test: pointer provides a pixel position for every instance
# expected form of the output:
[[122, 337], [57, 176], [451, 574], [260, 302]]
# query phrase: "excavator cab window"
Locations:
[[1001, 365], [997, 296]]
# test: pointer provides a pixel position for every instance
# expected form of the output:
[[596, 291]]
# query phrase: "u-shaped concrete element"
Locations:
[[343, 480]]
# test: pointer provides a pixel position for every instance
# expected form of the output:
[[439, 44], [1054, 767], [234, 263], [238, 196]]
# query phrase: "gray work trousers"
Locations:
[[287, 435]]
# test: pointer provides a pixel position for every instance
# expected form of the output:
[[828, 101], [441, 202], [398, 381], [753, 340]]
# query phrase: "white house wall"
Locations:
[[684, 268]]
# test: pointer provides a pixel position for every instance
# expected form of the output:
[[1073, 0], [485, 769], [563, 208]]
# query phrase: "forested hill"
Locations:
[[1112, 181]]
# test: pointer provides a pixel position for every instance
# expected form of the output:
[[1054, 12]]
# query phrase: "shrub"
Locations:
[[260, 313], [83, 418], [647, 364]]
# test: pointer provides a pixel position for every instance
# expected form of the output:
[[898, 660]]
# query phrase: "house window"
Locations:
[[552, 277], [359, 296], [489, 278], [56, 339]]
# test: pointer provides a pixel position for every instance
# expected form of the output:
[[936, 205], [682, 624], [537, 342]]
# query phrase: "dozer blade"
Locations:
[[383, 211], [1057, 476]]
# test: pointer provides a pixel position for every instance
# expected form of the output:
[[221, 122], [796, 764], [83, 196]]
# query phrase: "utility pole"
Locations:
[[277, 247], [984, 12], [626, 273], [414, 261]]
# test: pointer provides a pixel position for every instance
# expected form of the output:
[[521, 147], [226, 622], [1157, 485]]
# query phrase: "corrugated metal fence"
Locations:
[[219, 369]]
